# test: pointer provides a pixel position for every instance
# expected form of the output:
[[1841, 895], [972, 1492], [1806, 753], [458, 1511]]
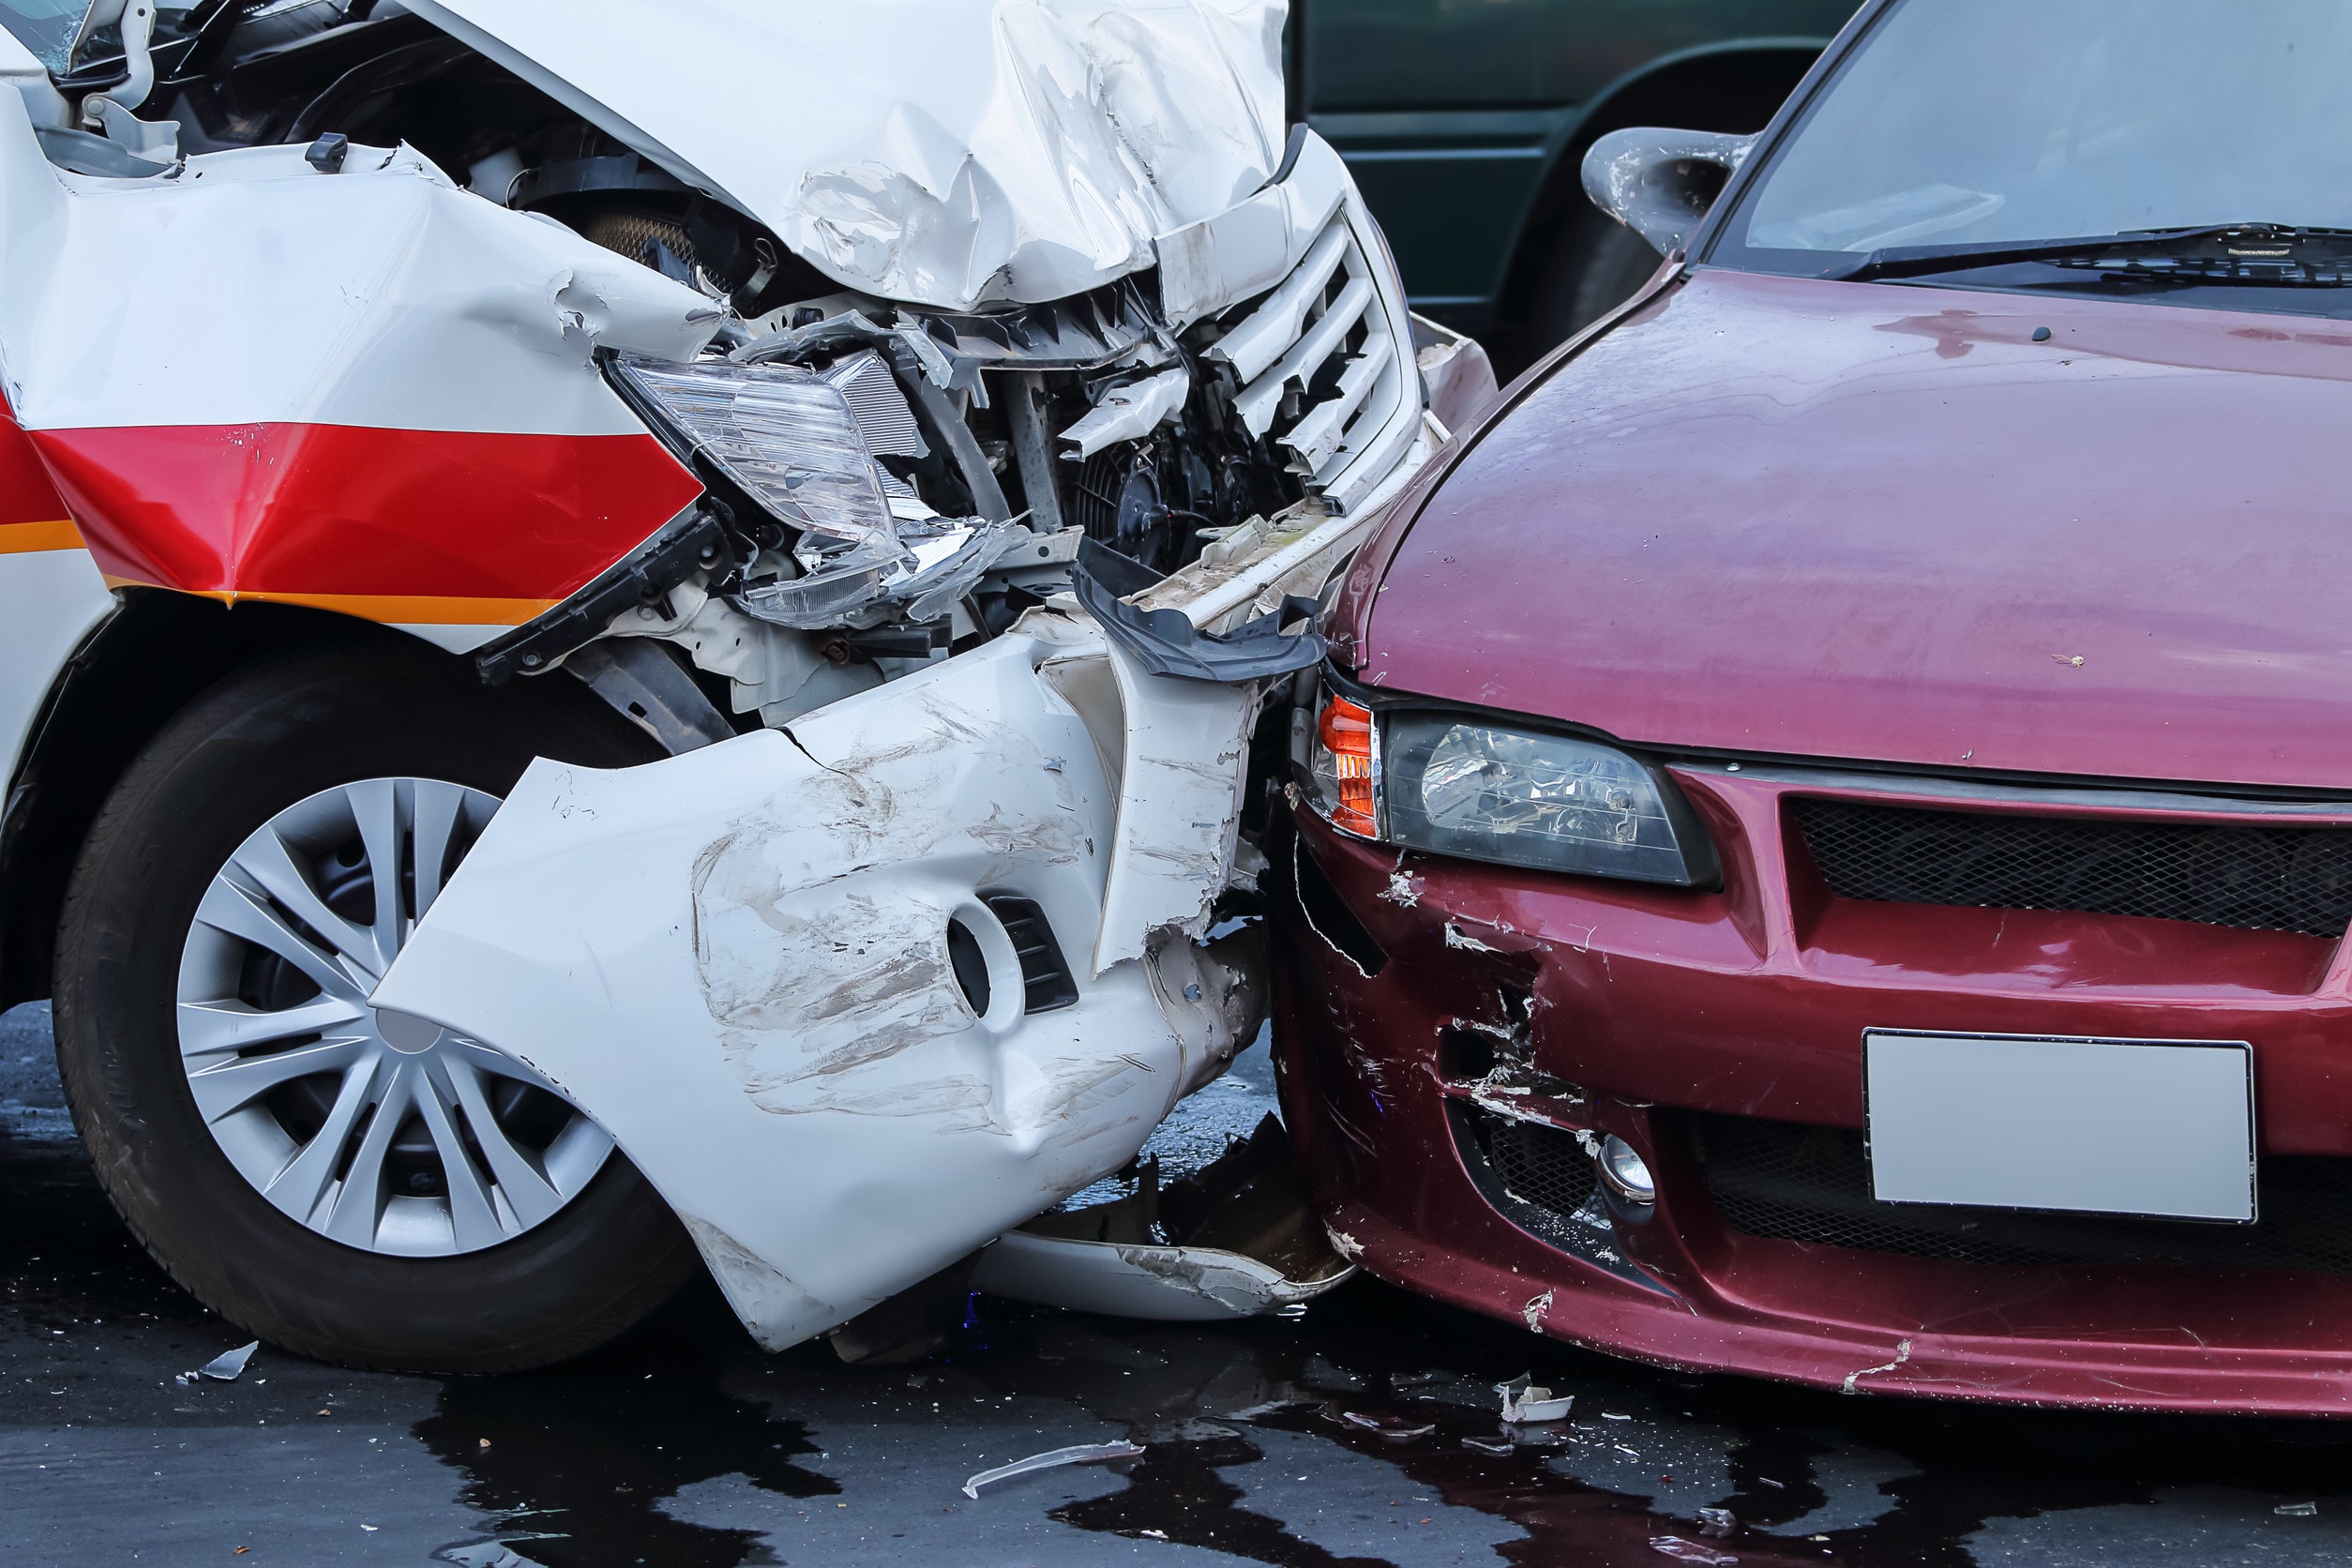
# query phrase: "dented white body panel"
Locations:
[[943, 152], [737, 961]]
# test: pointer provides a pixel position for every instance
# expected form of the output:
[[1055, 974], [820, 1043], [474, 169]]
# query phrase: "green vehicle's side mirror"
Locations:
[[1659, 183]]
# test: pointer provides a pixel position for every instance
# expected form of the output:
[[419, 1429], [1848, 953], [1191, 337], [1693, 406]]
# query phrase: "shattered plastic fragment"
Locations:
[[1717, 1521], [1902, 1354], [226, 1368], [1526, 1401], [1394, 1427], [1533, 1312], [2297, 1510], [1489, 1445], [1083, 1453], [1688, 1551]]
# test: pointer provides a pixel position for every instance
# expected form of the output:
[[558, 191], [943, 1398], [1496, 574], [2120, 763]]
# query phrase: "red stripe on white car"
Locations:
[[325, 511]]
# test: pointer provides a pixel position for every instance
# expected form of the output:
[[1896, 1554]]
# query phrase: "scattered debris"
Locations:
[[2297, 1510], [226, 1368], [1533, 1312], [1457, 937], [1717, 1521], [1688, 1551], [1083, 1453], [1524, 1400], [1395, 1428], [484, 1554], [1489, 1445]]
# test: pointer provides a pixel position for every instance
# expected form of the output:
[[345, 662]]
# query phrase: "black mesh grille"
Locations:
[[2279, 878], [1542, 1165], [1784, 1182], [1523, 1166]]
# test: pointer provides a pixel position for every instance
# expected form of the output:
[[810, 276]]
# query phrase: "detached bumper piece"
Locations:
[[1237, 1238]]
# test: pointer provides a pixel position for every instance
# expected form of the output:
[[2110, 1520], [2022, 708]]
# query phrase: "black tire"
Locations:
[[1593, 267], [261, 741]]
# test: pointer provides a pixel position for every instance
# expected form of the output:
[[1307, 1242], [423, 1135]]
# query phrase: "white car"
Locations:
[[845, 478]]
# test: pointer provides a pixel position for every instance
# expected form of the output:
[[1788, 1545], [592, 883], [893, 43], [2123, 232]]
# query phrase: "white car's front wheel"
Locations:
[[346, 1186]]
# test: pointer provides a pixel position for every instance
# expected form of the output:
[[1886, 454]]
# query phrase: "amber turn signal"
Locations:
[[1342, 766]]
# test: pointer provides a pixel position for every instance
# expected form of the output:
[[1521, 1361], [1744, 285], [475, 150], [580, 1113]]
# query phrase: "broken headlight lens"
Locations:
[[1465, 786], [790, 438]]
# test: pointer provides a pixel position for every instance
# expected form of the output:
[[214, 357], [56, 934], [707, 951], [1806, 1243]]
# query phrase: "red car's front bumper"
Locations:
[[1720, 1035]]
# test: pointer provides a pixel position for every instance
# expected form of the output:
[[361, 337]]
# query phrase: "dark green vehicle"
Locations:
[[1464, 122]]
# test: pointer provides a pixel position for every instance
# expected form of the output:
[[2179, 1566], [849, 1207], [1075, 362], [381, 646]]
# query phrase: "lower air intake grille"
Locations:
[[2265, 879], [1784, 1182], [1528, 1170]]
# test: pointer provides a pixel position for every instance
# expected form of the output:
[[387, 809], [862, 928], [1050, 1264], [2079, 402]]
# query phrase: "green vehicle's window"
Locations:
[[1973, 124], [44, 26]]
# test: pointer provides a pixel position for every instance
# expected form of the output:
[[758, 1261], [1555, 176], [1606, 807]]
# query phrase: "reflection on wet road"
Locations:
[[685, 1447]]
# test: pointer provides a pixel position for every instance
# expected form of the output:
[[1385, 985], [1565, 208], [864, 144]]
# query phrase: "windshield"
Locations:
[[44, 26], [1960, 123]]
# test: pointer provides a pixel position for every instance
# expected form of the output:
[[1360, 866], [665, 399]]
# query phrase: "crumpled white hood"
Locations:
[[939, 152]]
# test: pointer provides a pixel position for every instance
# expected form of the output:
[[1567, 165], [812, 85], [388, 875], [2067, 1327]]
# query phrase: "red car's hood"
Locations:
[[1870, 521]]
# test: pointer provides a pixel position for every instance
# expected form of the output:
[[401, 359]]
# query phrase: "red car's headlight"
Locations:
[[1463, 784]]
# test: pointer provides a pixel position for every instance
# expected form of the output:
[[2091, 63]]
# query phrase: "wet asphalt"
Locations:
[[686, 1447]]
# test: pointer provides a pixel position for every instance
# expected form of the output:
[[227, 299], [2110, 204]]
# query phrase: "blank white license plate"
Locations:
[[2158, 1127]]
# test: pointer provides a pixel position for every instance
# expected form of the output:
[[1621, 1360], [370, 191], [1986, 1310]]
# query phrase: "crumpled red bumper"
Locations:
[[1657, 1009]]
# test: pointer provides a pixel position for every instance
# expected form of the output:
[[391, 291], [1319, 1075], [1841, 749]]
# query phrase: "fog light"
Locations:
[[1627, 1176]]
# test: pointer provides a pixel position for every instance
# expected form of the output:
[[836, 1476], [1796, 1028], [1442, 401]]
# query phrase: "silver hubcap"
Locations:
[[387, 1135]]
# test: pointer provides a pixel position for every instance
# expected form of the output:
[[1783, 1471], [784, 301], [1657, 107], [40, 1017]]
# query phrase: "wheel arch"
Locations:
[[1732, 84], [156, 652]]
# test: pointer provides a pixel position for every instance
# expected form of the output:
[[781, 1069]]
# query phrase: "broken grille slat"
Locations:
[[1323, 433], [1262, 398], [1275, 326]]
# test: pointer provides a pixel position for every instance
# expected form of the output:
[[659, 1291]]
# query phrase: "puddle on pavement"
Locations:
[[683, 1446]]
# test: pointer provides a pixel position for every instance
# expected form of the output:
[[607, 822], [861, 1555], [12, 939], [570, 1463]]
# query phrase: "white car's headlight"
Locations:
[[791, 440]]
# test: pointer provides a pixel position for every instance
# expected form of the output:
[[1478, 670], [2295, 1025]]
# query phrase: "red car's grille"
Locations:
[[1784, 1182], [2282, 879]]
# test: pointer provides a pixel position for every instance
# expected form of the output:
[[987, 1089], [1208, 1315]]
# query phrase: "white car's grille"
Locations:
[[1318, 363], [1324, 356]]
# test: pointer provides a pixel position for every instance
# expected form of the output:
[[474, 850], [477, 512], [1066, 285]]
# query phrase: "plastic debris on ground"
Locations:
[[1489, 1445], [1717, 1521], [226, 1368], [2297, 1510], [1397, 1428], [1083, 1453], [484, 1554], [1688, 1551], [1524, 1400]]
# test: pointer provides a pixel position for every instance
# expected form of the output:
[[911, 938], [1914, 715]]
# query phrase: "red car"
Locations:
[[1824, 845]]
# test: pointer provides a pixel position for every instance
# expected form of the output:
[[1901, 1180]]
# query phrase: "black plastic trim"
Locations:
[[1166, 642], [1046, 983], [694, 540]]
